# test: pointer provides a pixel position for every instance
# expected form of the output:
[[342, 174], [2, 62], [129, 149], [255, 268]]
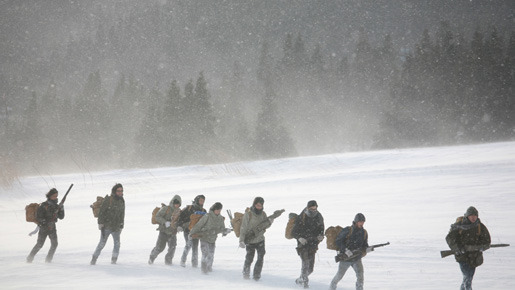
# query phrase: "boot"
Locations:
[[246, 273], [150, 260], [30, 259], [93, 261], [299, 281], [113, 260]]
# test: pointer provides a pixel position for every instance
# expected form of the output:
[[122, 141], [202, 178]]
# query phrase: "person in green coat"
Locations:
[[468, 231], [207, 230], [167, 218], [252, 221], [110, 222]]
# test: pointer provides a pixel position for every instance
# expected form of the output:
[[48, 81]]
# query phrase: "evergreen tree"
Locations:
[[272, 138], [92, 123]]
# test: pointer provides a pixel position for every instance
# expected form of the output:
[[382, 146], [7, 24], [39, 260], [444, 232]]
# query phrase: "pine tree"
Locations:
[[272, 138]]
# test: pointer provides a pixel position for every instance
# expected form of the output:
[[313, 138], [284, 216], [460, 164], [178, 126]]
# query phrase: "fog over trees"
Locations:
[[88, 85]]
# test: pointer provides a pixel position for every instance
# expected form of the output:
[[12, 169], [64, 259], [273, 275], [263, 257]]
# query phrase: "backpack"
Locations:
[[154, 212], [96, 206], [236, 222], [289, 226], [194, 218], [30, 212], [331, 233]]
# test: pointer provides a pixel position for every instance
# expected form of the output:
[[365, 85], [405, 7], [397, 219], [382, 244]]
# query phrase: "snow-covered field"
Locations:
[[409, 197]]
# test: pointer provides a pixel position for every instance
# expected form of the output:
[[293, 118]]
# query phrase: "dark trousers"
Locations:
[[162, 240], [190, 245], [251, 252], [42, 235], [468, 274], [307, 255]]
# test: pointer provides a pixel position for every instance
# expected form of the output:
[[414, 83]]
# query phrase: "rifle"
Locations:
[[344, 257], [62, 201], [262, 225], [473, 248], [229, 213]]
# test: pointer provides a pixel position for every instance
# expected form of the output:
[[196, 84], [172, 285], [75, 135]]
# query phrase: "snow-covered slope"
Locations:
[[409, 197]]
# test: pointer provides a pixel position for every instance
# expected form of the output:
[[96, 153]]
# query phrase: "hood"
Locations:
[[175, 198]]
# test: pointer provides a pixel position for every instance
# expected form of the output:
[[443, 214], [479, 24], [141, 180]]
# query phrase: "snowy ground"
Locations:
[[410, 197]]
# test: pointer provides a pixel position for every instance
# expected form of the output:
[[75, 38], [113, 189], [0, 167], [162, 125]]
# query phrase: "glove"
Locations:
[[348, 252], [368, 250], [320, 238], [226, 231], [302, 241], [179, 229], [100, 226], [242, 245], [189, 237], [271, 220]]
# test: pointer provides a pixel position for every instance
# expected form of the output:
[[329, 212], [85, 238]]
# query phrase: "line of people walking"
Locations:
[[308, 230]]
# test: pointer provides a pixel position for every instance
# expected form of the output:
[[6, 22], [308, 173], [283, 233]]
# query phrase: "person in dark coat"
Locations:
[[184, 223], [308, 230], [352, 241], [468, 238], [110, 222], [47, 215]]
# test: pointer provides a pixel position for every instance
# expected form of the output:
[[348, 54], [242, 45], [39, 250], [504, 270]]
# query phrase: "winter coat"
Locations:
[[256, 221], [168, 214], [184, 217], [464, 233], [46, 214], [354, 239], [208, 227], [308, 226], [112, 212]]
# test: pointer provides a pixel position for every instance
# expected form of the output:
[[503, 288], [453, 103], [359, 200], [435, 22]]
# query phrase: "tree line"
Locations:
[[444, 90]]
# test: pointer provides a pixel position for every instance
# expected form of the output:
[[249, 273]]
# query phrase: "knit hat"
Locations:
[[359, 218], [258, 200], [51, 192], [312, 203], [216, 206], [471, 211]]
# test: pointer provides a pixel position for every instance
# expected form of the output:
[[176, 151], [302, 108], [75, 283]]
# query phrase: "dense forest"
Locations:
[[164, 83]]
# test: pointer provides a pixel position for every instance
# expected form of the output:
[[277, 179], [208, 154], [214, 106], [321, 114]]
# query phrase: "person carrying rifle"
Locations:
[[308, 230], [252, 237], [468, 231], [110, 222], [47, 215], [352, 242]]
